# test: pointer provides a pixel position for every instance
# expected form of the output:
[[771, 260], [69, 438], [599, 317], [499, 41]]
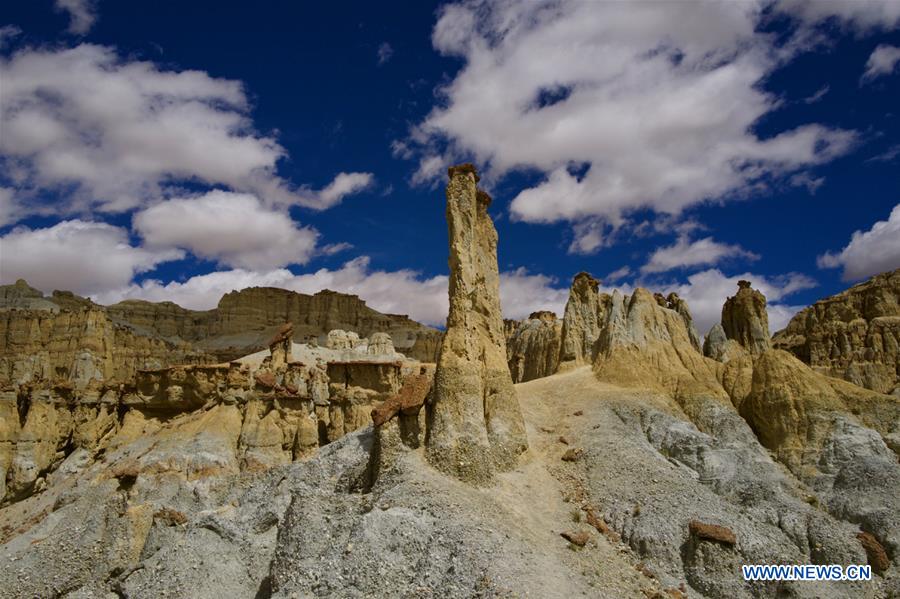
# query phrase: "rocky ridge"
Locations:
[[854, 335], [67, 338]]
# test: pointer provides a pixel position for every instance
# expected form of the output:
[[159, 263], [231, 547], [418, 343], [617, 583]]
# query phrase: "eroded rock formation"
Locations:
[[582, 321], [79, 346], [533, 346], [854, 335], [474, 426], [745, 320], [281, 344]]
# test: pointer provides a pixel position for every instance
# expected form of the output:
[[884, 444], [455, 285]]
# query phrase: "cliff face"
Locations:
[[66, 337], [79, 346], [244, 320], [854, 335]]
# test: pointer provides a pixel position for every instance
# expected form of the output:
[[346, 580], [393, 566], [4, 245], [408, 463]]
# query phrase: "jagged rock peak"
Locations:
[[475, 426], [545, 315], [745, 320], [673, 302], [583, 320]]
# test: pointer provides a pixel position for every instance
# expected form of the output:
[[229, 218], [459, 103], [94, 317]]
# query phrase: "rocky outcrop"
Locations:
[[474, 424], [277, 414], [66, 337], [338, 339], [80, 346], [583, 319], [673, 302], [745, 320], [280, 345], [533, 346], [380, 344], [643, 344], [854, 335], [244, 320]]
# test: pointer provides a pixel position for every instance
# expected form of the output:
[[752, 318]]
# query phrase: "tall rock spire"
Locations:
[[744, 319], [475, 426]]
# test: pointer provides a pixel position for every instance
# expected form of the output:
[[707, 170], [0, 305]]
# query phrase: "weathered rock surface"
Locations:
[[854, 335], [380, 344], [66, 337], [475, 426], [533, 346], [583, 320], [745, 320], [245, 319], [80, 346]]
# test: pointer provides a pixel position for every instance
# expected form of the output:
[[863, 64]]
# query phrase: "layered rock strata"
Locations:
[[475, 426], [854, 335]]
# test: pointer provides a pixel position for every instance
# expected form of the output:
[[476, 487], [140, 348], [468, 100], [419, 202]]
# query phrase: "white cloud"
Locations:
[[82, 14], [619, 273], [869, 252], [84, 257], [684, 253], [385, 51], [522, 293], [8, 208], [344, 184], [883, 61], [112, 134], [706, 291], [231, 228], [861, 15], [654, 102]]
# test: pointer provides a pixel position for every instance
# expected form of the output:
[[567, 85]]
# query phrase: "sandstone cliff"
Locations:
[[80, 346], [474, 424], [244, 320], [854, 335], [66, 337]]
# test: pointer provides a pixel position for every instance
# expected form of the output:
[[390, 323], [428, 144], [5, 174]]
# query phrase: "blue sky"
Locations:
[[173, 150]]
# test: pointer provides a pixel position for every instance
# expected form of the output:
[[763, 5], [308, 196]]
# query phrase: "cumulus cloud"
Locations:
[[522, 293], [82, 14], [654, 103], [883, 61], [81, 256], [706, 291], [869, 252], [230, 228], [111, 134], [685, 253]]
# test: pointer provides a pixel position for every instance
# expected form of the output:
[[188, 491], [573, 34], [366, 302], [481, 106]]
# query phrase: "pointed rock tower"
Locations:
[[475, 426], [745, 320]]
